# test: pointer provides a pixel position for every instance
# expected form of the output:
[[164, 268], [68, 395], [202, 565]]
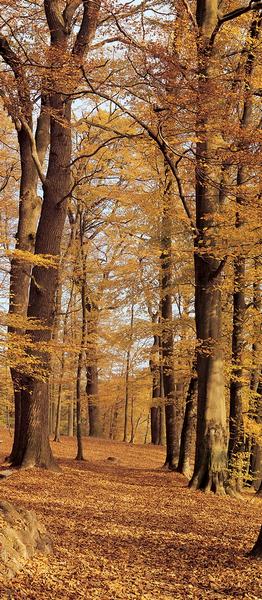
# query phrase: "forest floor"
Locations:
[[123, 529]]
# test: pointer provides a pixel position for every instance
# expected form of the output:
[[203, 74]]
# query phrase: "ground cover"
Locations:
[[122, 529]]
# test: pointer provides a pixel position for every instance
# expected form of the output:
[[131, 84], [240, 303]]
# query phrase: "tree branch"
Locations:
[[88, 26], [35, 156], [9, 56], [54, 19], [160, 143], [253, 5], [69, 12]]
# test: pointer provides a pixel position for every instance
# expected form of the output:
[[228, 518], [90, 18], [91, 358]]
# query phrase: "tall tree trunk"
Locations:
[[172, 443], [211, 443], [62, 370], [256, 449], [127, 375], [70, 418], [256, 386], [95, 426], [80, 452], [94, 413], [33, 447], [236, 449], [155, 372], [187, 428], [29, 212]]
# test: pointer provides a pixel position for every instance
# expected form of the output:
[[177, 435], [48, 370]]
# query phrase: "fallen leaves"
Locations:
[[124, 530]]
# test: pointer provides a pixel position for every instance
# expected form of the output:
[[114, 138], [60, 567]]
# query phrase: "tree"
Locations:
[[211, 446], [33, 447], [236, 450]]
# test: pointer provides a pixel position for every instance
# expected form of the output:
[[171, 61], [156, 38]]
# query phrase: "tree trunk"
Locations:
[[257, 548], [70, 419], [162, 408], [155, 409], [58, 414], [126, 407], [256, 387], [80, 453], [211, 441], [155, 424], [256, 450], [236, 449], [29, 212], [187, 429], [33, 447], [172, 443], [95, 427]]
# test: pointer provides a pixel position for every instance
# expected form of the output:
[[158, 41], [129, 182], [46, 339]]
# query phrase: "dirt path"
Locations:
[[123, 530]]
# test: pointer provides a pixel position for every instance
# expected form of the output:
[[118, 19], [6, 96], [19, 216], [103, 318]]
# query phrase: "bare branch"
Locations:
[[240, 11], [35, 156]]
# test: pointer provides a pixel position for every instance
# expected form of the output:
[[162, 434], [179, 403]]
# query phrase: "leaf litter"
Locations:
[[125, 530]]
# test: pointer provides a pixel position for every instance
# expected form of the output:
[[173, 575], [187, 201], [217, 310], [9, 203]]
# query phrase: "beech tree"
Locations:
[[67, 51]]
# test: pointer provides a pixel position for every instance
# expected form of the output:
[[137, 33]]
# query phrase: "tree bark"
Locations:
[[172, 443], [257, 548], [236, 449], [155, 372], [29, 212], [33, 447], [211, 441], [80, 452], [187, 429], [95, 427], [127, 375]]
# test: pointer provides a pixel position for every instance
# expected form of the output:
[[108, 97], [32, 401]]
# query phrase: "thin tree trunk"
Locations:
[[95, 427], [155, 372], [58, 414], [80, 453], [132, 434], [94, 413], [187, 429], [126, 407], [256, 387], [162, 410], [147, 428], [172, 443], [70, 419]]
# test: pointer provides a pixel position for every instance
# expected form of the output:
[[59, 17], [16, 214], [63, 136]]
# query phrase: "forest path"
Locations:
[[124, 530]]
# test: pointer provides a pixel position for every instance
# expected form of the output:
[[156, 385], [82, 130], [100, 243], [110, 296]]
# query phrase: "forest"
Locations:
[[130, 290]]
